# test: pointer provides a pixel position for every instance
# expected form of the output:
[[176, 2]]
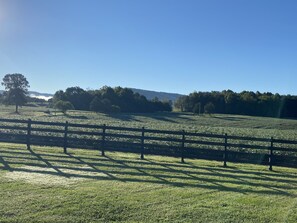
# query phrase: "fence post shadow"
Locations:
[[48, 164], [204, 176], [5, 164], [94, 167]]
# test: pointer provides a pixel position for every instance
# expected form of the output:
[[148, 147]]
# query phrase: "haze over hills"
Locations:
[[162, 96], [44, 96], [35, 94]]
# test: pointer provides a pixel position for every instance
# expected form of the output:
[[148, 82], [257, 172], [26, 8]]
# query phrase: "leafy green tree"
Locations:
[[209, 108], [16, 89], [64, 106], [183, 103], [78, 97], [109, 93], [96, 105], [197, 108], [179, 104], [231, 102], [59, 96]]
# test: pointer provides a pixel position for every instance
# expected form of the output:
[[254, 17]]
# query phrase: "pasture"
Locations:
[[45, 185], [217, 123]]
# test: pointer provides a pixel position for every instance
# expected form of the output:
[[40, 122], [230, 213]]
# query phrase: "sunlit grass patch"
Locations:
[[44, 184]]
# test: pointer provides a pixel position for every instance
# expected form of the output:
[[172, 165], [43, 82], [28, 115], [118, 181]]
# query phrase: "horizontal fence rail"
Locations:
[[182, 144]]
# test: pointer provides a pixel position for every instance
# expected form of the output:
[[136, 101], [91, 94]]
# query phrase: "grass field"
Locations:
[[43, 184], [46, 185], [217, 123]]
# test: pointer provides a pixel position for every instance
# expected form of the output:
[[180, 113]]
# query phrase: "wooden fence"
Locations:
[[225, 148]]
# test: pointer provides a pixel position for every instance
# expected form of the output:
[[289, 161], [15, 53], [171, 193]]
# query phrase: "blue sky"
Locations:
[[164, 45]]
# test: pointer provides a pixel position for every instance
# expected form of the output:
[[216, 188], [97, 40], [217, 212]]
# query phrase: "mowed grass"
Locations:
[[45, 185]]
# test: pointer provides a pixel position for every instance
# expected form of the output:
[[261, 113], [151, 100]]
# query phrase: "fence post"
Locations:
[[225, 150], [183, 147], [271, 154], [29, 134], [103, 140], [65, 136], [142, 144]]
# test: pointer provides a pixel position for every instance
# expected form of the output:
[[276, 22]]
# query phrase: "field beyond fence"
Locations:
[[183, 144]]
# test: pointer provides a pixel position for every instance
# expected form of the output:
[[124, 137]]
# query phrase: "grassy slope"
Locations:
[[46, 185]]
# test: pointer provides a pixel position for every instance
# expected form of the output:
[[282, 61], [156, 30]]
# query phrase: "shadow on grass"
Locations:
[[48, 164], [169, 117], [159, 116], [76, 116], [164, 119], [125, 169], [123, 117], [230, 118]]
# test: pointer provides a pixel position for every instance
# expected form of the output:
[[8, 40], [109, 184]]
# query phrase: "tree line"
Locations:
[[244, 103], [120, 99], [107, 100]]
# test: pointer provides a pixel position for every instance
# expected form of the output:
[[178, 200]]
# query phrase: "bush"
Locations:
[[115, 109], [209, 108], [63, 106]]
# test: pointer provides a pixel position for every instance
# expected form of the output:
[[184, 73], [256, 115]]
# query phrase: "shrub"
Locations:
[[209, 108], [63, 106]]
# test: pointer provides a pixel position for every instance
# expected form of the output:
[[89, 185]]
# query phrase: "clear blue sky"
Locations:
[[164, 45]]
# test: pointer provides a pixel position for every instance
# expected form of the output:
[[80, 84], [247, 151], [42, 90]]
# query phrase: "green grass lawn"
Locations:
[[46, 185]]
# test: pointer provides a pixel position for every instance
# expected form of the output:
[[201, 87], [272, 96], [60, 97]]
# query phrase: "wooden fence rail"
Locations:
[[225, 148]]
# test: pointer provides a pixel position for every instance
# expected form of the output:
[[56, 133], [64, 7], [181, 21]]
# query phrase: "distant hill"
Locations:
[[35, 93], [160, 95]]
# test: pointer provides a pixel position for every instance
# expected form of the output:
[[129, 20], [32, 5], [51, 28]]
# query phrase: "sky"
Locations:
[[176, 46]]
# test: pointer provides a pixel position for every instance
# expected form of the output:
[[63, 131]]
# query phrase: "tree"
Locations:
[[179, 103], [197, 108], [96, 105], [16, 89], [209, 108], [59, 96], [63, 106], [78, 97]]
